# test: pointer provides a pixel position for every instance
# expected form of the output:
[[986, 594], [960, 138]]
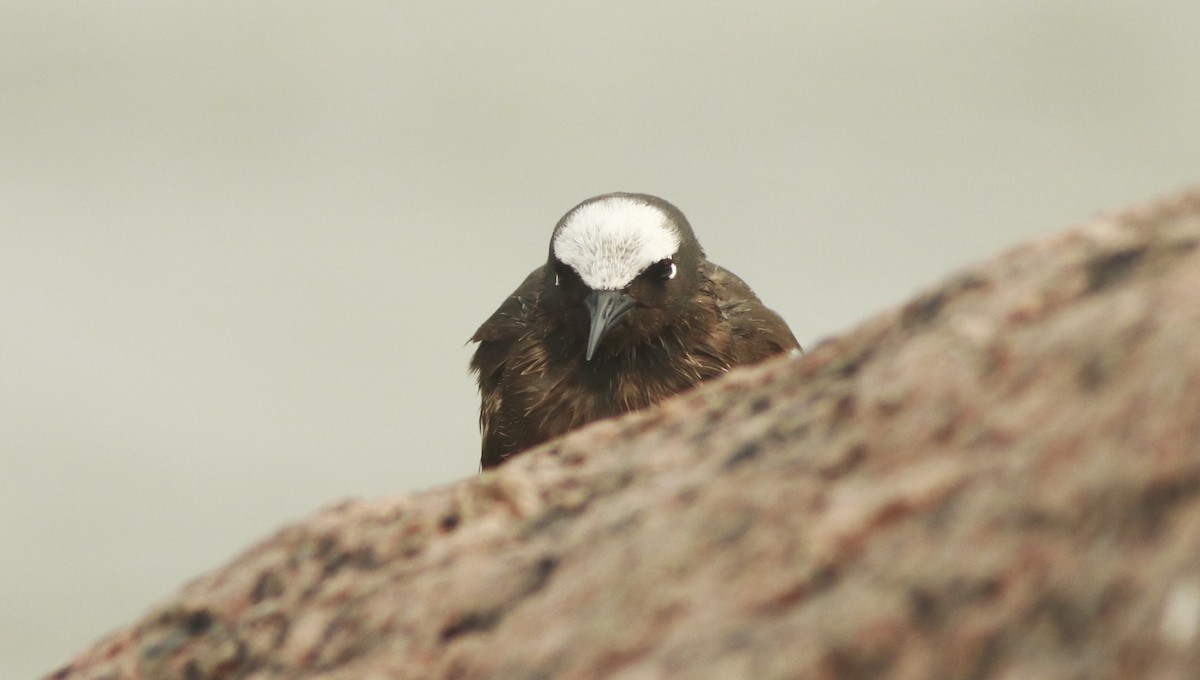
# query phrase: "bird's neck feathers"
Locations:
[[687, 333]]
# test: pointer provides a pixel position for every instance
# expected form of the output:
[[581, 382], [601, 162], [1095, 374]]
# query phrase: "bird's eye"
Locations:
[[563, 273], [663, 270]]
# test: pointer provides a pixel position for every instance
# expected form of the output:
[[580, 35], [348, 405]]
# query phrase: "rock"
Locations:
[[999, 480]]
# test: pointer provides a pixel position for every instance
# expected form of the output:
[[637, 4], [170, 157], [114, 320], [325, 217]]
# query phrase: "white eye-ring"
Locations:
[[671, 274]]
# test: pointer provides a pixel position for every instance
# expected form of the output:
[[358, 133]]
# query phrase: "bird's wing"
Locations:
[[497, 338], [503, 328], [751, 320]]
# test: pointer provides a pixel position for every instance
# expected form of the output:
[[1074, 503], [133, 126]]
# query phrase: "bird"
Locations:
[[626, 311]]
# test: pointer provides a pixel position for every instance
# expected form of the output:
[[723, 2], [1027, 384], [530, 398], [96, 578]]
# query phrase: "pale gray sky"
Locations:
[[242, 244]]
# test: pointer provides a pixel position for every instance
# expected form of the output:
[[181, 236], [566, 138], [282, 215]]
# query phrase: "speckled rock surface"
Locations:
[[999, 480]]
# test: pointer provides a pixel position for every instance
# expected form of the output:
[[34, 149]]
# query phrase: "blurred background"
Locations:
[[242, 245]]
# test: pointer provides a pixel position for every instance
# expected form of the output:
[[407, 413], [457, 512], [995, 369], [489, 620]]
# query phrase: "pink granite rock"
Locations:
[[999, 480]]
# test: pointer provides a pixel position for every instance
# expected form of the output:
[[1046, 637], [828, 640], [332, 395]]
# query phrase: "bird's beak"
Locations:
[[606, 307]]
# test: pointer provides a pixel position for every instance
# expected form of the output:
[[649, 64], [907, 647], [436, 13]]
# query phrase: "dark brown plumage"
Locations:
[[626, 312]]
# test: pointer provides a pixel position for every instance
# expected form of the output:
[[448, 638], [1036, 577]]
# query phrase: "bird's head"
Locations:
[[622, 267]]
